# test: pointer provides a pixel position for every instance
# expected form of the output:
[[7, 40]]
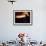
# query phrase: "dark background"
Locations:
[[22, 20]]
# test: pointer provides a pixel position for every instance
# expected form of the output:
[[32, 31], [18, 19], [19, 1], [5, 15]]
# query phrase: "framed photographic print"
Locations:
[[22, 17]]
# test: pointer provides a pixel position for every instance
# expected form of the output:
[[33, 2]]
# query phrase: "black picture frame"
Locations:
[[22, 20]]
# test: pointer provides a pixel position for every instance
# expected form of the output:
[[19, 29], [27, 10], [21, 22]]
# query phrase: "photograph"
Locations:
[[22, 17]]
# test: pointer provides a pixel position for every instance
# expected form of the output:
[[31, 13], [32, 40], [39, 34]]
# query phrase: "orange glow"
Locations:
[[21, 16]]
